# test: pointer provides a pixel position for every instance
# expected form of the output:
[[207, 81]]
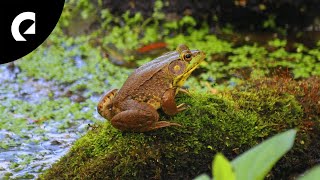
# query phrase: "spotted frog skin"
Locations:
[[152, 86]]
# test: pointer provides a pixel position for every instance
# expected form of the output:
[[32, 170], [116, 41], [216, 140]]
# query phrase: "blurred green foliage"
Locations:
[[225, 64]]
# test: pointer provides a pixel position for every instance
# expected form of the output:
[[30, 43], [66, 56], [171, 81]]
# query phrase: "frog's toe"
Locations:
[[182, 107], [184, 91]]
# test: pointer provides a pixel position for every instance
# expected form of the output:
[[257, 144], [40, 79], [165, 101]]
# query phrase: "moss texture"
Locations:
[[305, 153], [228, 123]]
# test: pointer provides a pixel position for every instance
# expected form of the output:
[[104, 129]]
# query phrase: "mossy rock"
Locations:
[[229, 123]]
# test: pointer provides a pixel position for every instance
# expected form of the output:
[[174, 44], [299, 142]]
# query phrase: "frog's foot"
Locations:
[[184, 91], [182, 107], [159, 124], [139, 121], [105, 104]]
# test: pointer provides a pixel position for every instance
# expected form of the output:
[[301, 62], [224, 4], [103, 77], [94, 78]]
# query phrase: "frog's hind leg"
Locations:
[[133, 120], [139, 117], [105, 104]]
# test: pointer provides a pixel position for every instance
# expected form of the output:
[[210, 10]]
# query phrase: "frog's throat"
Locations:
[[180, 80]]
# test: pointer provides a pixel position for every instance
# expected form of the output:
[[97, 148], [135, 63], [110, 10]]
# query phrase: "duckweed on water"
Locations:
[[213, 123], [17, 115], [82, 66]]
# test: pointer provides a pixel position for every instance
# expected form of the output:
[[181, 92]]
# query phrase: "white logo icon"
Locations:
[[18, 20]]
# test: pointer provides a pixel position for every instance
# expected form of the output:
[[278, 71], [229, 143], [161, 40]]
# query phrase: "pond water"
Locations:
[[32, 145]]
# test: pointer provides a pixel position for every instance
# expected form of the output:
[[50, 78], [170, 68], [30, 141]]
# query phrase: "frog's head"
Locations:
[[182, 67]]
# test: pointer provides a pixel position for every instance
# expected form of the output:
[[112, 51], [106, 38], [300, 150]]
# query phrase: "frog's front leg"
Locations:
[[169, 104], [105, 104], [138, 117]]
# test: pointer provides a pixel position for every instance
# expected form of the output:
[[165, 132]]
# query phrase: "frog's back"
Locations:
[[143, 75]]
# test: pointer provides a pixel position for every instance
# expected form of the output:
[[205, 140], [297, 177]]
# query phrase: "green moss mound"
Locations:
[[229, 123]]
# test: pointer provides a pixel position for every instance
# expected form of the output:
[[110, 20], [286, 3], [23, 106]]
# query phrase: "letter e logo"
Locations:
[[16, 24]]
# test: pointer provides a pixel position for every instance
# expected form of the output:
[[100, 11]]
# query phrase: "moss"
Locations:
[[306, 92], [213, 123], [271, 107]]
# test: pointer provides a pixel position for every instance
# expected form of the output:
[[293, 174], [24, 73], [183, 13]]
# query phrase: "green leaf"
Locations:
[[258, 161], [202, 177], [312, 174], [222, 169]]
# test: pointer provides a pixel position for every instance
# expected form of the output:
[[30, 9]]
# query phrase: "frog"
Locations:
[[153, 86]]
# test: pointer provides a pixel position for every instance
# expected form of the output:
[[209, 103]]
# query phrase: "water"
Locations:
[[36, 146]]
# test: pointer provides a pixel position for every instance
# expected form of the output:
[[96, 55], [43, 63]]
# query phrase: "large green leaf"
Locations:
[[222, 169], [258, 161], [313, 174]]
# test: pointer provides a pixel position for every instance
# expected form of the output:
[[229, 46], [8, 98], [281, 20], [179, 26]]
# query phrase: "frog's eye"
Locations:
[[177, 67], [187, 57]]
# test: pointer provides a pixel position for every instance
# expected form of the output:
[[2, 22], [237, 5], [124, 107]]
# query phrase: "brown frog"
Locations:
[[150, 87]]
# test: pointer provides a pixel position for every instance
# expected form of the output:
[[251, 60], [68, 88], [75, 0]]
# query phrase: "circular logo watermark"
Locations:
[[25, 25]]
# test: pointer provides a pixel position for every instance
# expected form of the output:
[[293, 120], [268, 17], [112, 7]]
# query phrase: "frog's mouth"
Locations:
[[193, 64]]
